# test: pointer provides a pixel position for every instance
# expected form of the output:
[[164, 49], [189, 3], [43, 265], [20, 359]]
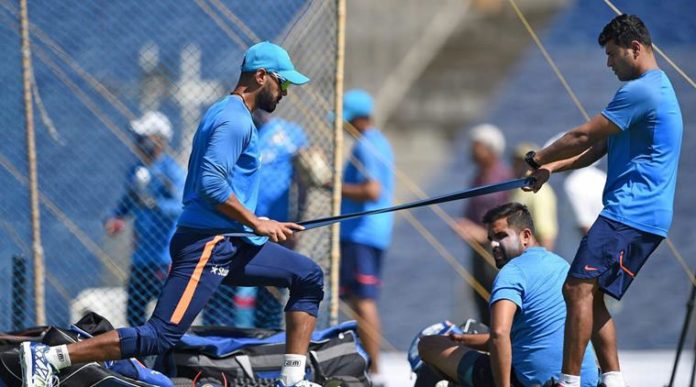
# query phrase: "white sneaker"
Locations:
[[378, 380], [36, 370]]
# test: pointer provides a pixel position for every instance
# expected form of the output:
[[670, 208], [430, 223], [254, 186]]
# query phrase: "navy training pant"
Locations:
[[200, 263]]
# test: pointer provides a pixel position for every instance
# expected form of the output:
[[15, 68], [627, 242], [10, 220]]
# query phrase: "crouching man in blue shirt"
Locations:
[[220, 197], [525, 343]]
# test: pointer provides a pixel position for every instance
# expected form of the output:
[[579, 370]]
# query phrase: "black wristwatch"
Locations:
[[529, 159]]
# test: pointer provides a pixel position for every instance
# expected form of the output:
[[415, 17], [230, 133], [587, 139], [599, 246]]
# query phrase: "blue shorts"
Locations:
[[361, 269], [613, 253], [200, 263]]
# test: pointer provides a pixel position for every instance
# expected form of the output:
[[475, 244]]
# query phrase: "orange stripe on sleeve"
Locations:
[[186, 298]]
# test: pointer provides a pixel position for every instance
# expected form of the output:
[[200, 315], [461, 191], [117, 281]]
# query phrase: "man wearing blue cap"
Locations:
[[368, 183], [220, 197]]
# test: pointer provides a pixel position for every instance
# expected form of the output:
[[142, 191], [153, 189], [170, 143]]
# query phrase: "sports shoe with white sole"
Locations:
[[36, 370]]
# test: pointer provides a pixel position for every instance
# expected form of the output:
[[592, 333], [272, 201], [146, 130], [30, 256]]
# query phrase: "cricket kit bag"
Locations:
[[121, 373], [239, 357]]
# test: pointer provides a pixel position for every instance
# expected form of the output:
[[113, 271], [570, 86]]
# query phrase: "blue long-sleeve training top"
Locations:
[[224, 161]]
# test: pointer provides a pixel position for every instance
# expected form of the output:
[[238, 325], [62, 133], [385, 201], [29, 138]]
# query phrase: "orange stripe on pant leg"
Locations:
[[186, 298]]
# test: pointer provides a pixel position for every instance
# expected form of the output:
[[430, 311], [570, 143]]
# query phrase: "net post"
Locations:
[[338, 156], [37, 248]]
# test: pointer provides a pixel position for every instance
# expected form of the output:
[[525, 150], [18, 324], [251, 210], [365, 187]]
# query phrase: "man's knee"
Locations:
[[578, 290], [152, 338], [363, 306], [425, 346], [306, 288], [309, 281], [430, 346]]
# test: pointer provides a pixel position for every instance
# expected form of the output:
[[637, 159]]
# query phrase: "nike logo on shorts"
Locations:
[[590, 268]]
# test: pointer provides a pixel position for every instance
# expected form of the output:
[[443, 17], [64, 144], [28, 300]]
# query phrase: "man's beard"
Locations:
[[266, 101]]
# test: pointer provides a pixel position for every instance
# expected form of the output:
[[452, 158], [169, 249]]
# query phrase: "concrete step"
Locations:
[[468, 70]]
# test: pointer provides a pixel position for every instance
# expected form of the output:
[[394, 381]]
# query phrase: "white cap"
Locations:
[[490, 136], [152, 123]]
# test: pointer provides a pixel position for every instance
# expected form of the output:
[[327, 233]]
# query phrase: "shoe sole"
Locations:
[[26, 363]]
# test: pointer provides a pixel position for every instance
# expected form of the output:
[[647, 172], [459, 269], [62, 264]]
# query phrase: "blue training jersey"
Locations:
[[279, 142], [643, 158], [534, 282], [371, 159], [224, 161]]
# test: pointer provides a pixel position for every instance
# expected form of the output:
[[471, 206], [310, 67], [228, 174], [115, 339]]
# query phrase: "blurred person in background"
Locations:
[[541, 205], [584, 188], [283, 144], [368, 183], [153, 194], [487, 147], [233, 306], [640, 132], [525, 343]]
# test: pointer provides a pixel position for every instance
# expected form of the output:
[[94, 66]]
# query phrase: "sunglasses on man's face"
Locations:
[[282, 82]]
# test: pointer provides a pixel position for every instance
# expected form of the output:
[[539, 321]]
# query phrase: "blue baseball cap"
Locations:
[[274, 59], [357, 103]]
